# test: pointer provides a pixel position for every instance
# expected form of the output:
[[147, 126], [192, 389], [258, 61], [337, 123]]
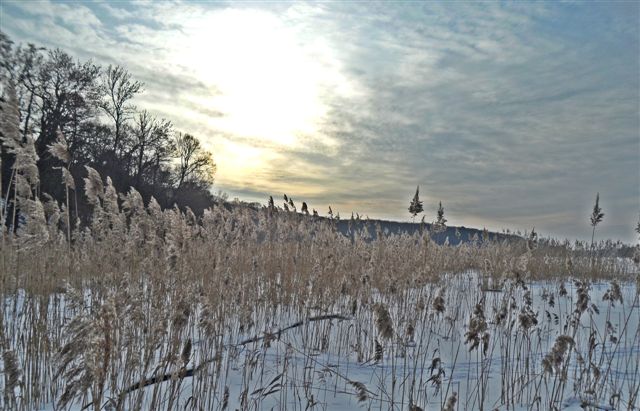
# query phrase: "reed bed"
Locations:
[[252, 309], [143, 308]]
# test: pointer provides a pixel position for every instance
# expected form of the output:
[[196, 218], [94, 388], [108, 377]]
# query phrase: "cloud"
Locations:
[[504, 133], [513, 115]]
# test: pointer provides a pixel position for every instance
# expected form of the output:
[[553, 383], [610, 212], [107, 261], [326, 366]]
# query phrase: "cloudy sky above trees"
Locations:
[[512, 115]]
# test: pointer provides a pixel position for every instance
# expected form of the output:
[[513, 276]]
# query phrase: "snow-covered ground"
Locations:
[[345, 364]]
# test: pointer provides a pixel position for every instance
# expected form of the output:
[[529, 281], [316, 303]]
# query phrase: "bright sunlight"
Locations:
[[269, 86]]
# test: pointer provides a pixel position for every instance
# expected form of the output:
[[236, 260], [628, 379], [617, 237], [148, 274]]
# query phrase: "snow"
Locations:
[[319, 364]]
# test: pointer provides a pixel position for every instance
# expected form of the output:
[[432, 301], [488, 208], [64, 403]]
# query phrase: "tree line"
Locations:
[[91, 108]]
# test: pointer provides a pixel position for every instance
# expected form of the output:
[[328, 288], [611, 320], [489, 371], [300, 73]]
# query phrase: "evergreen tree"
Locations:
[[441, 222], [415, 207]]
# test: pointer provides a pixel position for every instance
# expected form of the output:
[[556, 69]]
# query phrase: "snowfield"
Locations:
[[341, 357]]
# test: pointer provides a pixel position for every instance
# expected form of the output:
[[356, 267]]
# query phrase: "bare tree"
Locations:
[[28, 60], [55, 93], [151, 143], [196, 164], [119, 89], [67, 92]]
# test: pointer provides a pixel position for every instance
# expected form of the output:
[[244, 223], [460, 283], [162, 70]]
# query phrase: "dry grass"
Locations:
[[142, 299]]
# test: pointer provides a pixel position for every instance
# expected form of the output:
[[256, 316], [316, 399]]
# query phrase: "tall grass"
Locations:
[[143, 308]]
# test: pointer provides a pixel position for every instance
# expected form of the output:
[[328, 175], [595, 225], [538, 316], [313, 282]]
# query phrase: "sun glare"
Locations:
[[240, 160], [269, 86]]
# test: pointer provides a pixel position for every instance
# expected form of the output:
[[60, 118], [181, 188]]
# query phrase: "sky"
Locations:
[[513, 115]]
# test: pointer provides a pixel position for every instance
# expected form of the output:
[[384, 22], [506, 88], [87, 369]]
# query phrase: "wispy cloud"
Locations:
[[513, 115]]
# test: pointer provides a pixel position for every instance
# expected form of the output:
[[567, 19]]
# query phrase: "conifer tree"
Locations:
[[441, 222], [415, 207]]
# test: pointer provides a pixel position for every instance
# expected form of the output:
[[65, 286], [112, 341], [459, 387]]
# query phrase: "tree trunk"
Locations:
[[139, 167]]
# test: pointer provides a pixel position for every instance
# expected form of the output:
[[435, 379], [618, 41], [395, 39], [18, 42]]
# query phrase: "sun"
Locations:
[[268, 86]]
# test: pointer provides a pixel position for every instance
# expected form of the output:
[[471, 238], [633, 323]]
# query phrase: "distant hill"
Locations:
[[454, 235], [348, 227]]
